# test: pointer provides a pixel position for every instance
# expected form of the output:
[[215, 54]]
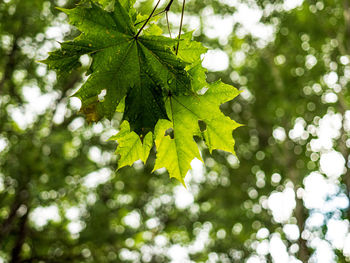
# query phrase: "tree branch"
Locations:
[[7, 225], [166, 10], [16, 251]]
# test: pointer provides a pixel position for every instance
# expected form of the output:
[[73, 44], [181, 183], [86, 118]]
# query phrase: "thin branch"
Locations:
[[167, 8], [182, 18], [7, 225], [150, 16], [157, 14], [167, 21]]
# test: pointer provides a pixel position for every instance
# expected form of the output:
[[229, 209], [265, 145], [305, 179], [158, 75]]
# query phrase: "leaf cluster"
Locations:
[[160, 91]]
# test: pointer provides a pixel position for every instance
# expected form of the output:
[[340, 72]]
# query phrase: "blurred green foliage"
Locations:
[[51, 159]]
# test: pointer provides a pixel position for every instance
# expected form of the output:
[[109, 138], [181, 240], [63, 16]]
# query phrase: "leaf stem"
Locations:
[[182, 18], [167, 8], [143, 26], [157, 14], [167, 21]]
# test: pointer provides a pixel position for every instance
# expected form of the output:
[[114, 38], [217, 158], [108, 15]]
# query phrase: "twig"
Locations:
[[167, 21], [182, 18], [157, 14], [154, 9], [167, 8]]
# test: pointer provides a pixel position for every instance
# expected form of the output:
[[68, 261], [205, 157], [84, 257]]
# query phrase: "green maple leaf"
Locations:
[[143, 69], [189, 50], [130, 148], [176, 154]]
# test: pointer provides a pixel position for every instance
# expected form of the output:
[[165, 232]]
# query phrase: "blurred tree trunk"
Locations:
[[342, 105], [21, 236], [300, 214], [21, 198], [291, 172]]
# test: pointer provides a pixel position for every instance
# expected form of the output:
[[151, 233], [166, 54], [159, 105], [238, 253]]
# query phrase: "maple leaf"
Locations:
[[143, 69], [176, 154], [130, 148], [189, 50]]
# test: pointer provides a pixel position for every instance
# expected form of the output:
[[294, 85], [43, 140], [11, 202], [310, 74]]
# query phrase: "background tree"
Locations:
[[286, 197]]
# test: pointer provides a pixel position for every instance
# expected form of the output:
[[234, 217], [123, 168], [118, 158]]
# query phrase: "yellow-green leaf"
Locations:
[[176, 154], [130, 148]]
